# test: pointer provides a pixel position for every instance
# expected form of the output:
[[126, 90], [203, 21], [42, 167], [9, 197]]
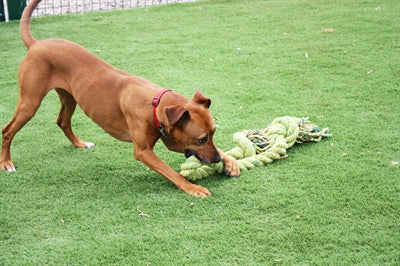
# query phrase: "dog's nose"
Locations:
[[217, 157]]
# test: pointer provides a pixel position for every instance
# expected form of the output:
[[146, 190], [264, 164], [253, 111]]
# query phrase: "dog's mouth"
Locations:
[[189, 153], [216, 158]]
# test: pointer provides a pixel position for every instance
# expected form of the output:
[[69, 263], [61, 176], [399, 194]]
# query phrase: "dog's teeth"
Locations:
[[89, 145]]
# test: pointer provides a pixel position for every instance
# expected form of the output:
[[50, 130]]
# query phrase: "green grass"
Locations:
[[332, 203]]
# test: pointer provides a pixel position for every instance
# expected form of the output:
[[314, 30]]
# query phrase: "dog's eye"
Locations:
[[203, 140]]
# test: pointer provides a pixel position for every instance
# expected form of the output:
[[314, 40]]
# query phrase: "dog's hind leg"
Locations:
[[26, 109], [68, 105]]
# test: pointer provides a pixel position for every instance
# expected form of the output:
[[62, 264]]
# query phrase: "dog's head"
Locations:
[[191, 129]]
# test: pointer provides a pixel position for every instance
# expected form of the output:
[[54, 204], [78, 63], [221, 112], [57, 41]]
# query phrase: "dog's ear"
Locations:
[[199, 98], [176, 114]]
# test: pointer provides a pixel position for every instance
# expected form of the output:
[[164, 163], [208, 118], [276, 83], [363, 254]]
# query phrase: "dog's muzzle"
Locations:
[[216, 158]]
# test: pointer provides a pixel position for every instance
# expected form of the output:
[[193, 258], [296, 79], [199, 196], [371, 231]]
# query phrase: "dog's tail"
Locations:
[[25, 23]]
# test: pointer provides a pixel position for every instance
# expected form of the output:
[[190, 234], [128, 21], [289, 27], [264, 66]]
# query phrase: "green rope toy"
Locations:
[[256, 148]]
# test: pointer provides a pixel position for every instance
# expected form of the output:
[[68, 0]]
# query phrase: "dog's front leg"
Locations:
[[231, 167], [151, 160]]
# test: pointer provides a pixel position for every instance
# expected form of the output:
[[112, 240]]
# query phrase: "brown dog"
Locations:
[[127, 107]]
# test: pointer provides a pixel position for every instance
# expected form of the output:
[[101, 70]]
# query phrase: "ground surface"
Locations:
[[330, 203]]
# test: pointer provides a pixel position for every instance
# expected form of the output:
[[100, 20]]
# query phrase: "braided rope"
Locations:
[[256, 148]]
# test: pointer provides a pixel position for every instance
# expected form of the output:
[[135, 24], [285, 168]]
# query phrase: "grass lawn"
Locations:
[[336, 202]]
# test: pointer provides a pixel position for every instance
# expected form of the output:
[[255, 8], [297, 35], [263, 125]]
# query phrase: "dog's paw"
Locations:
[[78, 143], [7, 166], [231, 167], [89, 145], [197, 191]]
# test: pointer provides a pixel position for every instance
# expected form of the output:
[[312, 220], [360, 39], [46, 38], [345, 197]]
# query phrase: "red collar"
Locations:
[[155, 102]]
